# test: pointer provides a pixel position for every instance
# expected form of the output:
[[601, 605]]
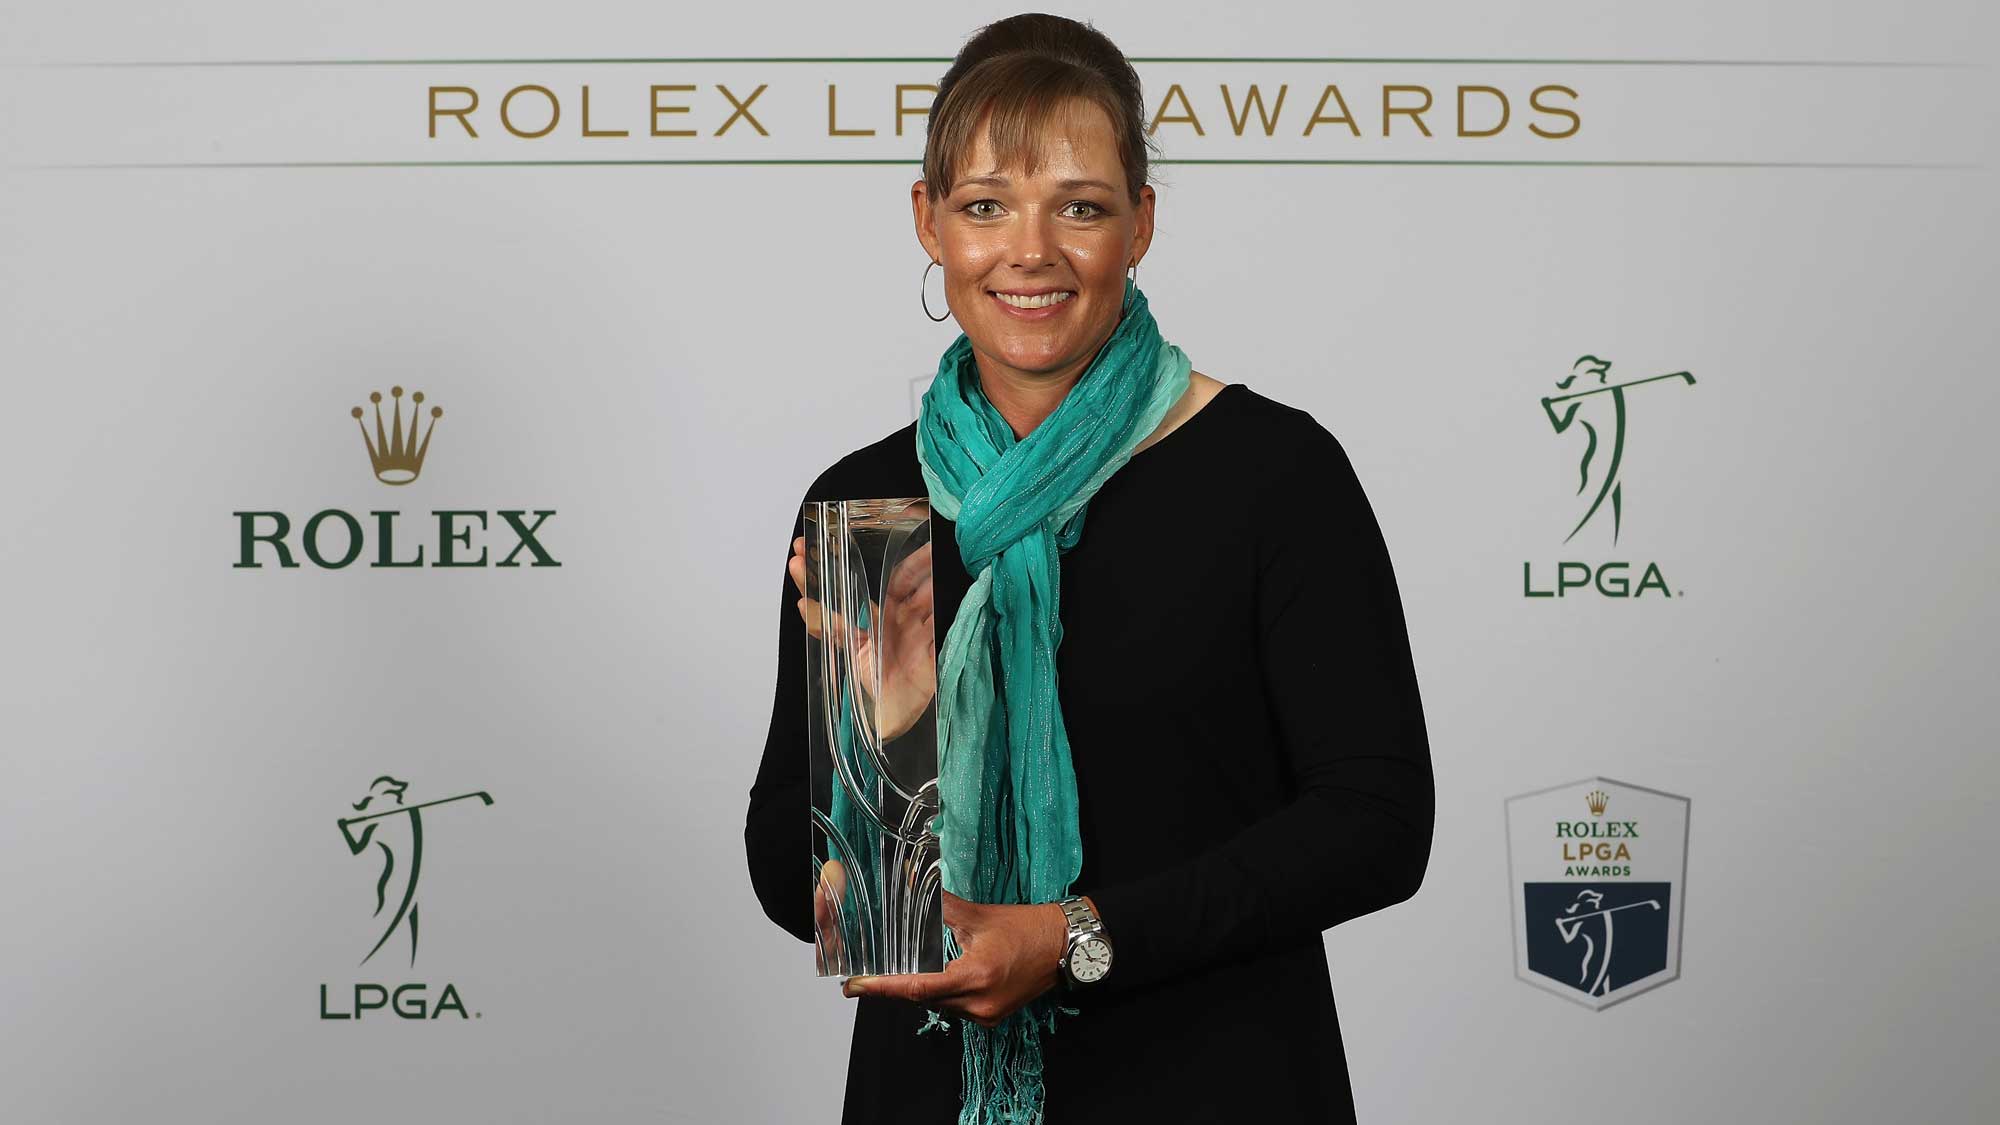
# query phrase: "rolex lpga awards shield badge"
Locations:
[[1597, 870]]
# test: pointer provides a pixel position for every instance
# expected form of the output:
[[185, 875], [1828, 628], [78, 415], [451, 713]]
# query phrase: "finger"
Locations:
[[832, 880], [825, 623], [908, 605], [826, 910], [910, 986], [909, 571], [822, 909], [834, 625], [827, 934], [796, 567]]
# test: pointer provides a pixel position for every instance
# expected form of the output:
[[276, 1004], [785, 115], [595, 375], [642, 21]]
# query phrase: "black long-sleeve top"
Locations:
[[1251, 765]]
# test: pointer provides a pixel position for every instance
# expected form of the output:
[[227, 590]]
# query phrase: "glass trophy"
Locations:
[[871, 682]]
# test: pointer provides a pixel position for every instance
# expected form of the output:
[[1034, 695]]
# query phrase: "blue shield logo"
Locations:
[[1599, 877]]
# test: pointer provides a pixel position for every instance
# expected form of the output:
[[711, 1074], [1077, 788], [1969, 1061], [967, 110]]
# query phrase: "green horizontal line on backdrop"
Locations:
[[919, 163], [1358, 60]]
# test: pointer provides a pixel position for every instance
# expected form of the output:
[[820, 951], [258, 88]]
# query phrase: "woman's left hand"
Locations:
[[1008, 955]]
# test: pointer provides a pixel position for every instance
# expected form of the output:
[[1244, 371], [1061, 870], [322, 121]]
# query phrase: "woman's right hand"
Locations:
[[906, 625]]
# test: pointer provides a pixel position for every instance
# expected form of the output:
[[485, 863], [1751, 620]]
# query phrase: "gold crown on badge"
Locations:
[[397, 456], [1596, 799]]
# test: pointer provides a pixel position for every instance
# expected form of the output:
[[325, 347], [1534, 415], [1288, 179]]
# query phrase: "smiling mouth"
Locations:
[[1038, 301]]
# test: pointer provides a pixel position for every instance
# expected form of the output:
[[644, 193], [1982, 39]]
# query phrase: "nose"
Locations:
[[1033, 243]]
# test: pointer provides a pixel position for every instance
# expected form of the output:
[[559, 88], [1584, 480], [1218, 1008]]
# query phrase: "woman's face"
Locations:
[[1065, 235]]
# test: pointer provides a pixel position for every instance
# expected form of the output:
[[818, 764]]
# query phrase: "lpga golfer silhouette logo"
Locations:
[[1597, 406], [1578, 917], [394, 832]]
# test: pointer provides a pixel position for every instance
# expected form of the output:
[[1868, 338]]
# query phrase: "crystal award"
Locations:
[[871, 683]]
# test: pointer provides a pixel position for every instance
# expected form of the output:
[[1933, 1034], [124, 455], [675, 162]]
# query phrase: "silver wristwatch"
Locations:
[[1087, 957]]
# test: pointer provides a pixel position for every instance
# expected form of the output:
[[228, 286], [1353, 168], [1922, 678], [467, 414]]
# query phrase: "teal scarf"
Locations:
[[1007, 821]]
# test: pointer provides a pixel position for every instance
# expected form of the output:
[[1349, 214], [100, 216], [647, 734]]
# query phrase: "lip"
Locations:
[[1032, 314]]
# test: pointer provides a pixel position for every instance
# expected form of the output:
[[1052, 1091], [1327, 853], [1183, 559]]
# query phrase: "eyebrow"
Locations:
[[1066, 185]]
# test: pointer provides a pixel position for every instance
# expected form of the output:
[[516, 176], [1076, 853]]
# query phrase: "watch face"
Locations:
[[1090, 960]]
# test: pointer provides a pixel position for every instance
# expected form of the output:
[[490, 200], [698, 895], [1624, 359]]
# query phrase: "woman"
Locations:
[[1204, 725]]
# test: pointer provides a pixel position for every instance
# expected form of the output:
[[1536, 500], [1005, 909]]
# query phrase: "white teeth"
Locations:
[[1041, 302]]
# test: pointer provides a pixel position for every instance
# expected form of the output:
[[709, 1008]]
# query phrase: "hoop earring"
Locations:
[[923, 294]]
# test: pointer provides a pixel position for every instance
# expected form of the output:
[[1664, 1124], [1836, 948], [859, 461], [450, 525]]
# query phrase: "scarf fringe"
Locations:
[[1003, 1073]]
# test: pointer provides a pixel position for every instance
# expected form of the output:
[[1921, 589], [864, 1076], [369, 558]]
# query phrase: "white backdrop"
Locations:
[[665, 355]]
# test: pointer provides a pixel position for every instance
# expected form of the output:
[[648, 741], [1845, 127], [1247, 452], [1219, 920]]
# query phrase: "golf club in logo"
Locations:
[[1597, 898], [334, 539], [390, 831], [1594, 406]]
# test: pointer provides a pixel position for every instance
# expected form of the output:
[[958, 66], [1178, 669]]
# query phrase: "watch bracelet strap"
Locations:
[[1080, 917]]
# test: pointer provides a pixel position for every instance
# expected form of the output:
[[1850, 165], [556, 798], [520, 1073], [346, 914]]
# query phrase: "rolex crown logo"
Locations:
[[1596, 799], [397, 456]]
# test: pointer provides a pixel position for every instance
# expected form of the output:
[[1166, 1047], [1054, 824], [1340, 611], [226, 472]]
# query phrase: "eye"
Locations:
[[1092, 210]]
